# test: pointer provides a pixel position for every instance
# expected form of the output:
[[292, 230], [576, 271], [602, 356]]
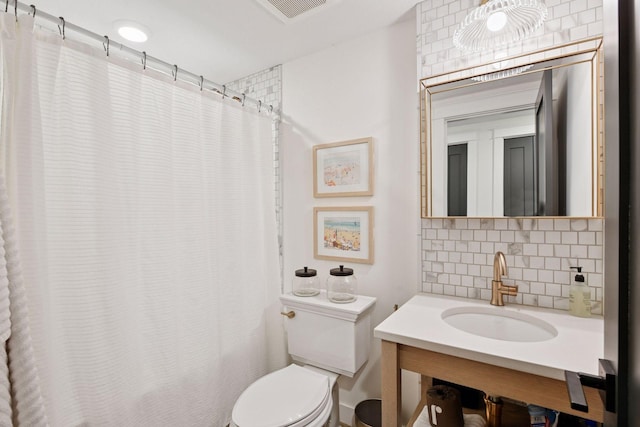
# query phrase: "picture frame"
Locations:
[[343, 169], [343, 233]]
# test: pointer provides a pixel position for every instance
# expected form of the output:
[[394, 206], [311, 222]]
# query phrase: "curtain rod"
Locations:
[[145, 59]]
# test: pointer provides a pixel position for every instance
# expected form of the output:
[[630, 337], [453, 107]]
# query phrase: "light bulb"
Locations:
[[132, 31], [132, 34], [496, 21]]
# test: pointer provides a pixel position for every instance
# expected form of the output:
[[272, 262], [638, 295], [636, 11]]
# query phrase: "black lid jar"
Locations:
[[342, 285], [306, 282]]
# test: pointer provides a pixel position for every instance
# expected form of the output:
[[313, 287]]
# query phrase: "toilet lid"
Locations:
[[282, 398]]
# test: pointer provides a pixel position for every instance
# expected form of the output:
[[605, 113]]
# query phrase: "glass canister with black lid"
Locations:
[[342, 285], [306, 283]]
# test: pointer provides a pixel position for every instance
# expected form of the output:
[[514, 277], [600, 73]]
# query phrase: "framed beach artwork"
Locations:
[[343, 169], [343, 233]]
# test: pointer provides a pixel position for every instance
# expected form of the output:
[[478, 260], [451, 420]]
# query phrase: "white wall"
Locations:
[[579, 178], [365, 87]]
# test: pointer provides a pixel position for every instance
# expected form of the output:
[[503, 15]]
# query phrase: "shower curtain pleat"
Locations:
[[28, 406], [21, 402], [147, 237]]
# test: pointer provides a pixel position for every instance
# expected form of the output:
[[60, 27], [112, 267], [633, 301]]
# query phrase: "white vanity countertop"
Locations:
[[577, 347]]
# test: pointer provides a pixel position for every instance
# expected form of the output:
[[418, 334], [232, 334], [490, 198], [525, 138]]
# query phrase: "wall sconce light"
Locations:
[[496, 23]]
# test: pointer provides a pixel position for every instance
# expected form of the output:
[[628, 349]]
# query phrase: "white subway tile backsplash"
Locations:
[[587, 238], [562, 251], [578, 251], [579, 224], [501, 224], [487, 248], [536, 262], [480, 235], [449, 245], [545, 301], [546, 251], [515, 274], [493, 235], [553, 289], [562, 277], [507, 236], [474, 247], [545, 275], [539, 267], [455, 280], [480, 259], [595, 252]]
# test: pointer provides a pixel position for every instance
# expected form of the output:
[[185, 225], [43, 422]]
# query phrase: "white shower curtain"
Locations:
[[146, 233]]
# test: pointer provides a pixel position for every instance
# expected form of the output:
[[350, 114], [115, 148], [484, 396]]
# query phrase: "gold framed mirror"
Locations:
[[519, 137]]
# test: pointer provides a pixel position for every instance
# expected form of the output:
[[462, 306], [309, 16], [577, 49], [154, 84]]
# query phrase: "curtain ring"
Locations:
[[33, 10], [224, 91], [201, 83], [15, 9], [244, 96], [259, 106], [175, 72], [270, 108], [144, 60], [106, 44], [6, 6], [61, 29]]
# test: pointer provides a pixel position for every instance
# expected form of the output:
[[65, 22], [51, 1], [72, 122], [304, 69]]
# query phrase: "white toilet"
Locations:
[[326, 340]]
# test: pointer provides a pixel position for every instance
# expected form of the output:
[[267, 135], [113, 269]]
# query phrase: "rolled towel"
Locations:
[[444, 407], [474, 420], [470, 420]]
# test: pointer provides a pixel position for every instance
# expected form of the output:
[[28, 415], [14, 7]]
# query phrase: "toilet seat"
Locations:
[[290, 397]]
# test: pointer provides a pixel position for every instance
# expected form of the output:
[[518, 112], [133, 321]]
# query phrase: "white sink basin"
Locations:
[[499, 323]]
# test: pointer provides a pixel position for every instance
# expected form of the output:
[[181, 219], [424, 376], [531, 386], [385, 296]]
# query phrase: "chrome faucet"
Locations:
[[498, 289]]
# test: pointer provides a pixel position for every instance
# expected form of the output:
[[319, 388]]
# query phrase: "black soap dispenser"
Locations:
[[579, 296]]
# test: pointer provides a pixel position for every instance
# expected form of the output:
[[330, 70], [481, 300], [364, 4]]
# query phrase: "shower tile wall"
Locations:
[[457, 254], [266, 86]]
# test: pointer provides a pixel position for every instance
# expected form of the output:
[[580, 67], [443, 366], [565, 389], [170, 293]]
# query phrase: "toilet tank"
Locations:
[[335, 337]]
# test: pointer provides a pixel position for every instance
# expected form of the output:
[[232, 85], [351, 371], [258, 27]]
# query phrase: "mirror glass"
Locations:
[[521, 142]]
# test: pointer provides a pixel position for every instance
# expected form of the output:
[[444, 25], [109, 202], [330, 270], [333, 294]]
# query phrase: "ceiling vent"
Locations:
[[287, 10]]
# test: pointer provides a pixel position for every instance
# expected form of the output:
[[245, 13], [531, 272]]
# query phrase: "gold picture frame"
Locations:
[[343, 233], [343, 169]]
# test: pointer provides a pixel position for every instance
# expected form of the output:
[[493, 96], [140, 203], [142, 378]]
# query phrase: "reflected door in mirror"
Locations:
[[519, 176], [457, 180]]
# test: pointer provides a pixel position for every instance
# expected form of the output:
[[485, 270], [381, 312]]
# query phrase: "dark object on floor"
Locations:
[[368, 413]]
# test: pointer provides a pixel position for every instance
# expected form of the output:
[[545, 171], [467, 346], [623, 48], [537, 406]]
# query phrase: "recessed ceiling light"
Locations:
[[132, 31]]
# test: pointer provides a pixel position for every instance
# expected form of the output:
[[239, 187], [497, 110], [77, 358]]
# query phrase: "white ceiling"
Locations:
[[225, 40]]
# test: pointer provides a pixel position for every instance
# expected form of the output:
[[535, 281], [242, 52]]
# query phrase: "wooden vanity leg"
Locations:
[[391, 384]]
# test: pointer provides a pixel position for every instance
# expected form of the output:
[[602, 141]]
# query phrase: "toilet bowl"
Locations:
[[325, 340], [294, 396]]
